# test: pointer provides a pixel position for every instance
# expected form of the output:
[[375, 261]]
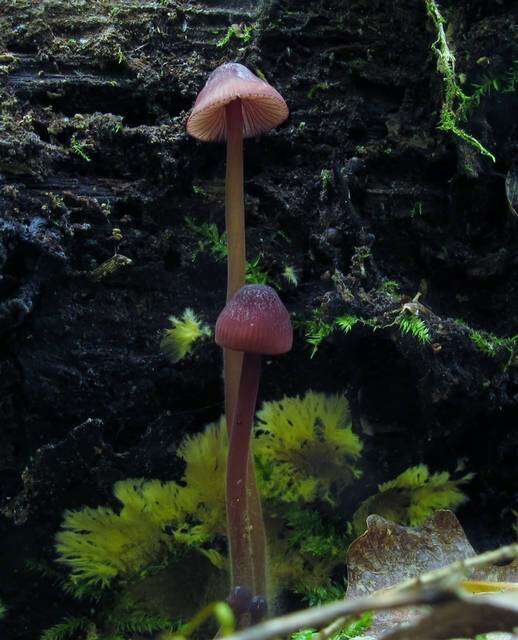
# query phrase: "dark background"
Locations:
[[86, 395]]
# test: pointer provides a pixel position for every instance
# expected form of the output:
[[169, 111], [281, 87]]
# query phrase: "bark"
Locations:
[[356, 189]]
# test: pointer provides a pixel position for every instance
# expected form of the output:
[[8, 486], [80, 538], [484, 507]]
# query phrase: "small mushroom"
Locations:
[[254, 322]]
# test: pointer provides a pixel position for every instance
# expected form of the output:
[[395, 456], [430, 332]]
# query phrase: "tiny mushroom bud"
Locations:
[[255, 322], [240, 600], [258, 609]]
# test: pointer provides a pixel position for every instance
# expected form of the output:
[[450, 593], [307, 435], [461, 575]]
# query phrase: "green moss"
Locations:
[[119, 623], [392, 287], [356, 628], [169, 538], [346, 323], [491, 345], [209, 239], [255, 272], [109, 267], [241, 33], [68, 628], [317, 329], [410, 323], [417, 210], [326, 181], [79, 149], [412, 497], [352, 629], [455, 100], [179, 340], [305, 450], [222, 613], [204, 493], [100, 544], [212, 241], [316, 88], [304, 634], [305, 447], [290, 275]]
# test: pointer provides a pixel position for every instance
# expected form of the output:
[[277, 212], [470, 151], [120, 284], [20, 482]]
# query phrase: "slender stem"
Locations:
[[257, 531], [239, 529], [236, 247], [232, 360], [234, 199]]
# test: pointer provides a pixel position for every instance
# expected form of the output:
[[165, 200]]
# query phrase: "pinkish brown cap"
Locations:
[[255, 321], [263, 107]]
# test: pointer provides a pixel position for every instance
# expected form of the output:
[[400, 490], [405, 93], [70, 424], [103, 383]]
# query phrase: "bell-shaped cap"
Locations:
[[255, 321], [263, 107]]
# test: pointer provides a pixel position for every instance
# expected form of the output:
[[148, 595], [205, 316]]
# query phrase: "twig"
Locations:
[[435, 586], [330, 630], [459, 568], [318, 616]]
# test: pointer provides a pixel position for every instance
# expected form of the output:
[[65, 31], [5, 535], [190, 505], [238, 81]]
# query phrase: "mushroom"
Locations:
[[254, 322], [235, 104]]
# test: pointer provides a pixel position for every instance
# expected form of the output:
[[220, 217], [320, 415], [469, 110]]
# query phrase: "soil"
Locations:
[[357, 189]]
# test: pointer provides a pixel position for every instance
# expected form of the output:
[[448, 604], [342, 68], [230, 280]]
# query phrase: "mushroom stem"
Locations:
[[233, 360], [236, 247], [258, 533], [248, 570], [234, 199]]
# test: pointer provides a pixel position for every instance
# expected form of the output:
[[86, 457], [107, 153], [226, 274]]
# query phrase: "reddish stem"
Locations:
[[241, 529]]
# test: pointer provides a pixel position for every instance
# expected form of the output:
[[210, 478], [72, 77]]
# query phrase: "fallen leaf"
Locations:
[[388, 554]]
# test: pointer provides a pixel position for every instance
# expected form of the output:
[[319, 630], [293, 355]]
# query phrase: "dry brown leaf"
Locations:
[[388, 554]]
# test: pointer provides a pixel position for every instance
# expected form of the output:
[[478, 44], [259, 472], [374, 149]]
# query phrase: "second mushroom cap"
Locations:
[[255, 321]]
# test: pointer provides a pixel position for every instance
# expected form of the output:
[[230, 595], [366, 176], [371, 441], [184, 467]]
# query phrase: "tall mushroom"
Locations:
[[254, 322], [236, 104]]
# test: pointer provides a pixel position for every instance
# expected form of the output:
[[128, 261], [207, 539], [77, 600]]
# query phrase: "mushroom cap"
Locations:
[[263, 107], [255, 321]]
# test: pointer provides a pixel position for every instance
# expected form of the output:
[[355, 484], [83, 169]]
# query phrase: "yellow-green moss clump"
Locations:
[[411, 497], [205, 455], [179, 340], [100, 544], [306, 454], [156, 522], [306, 448]]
